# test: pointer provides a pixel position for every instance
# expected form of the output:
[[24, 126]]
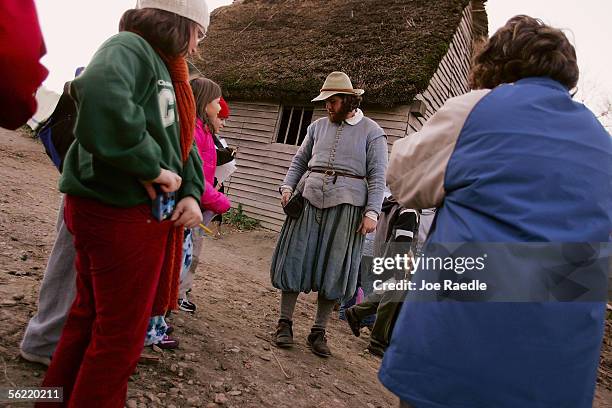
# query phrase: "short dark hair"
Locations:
[[350, 102], [525, 47], [204, 91], [167, 32]]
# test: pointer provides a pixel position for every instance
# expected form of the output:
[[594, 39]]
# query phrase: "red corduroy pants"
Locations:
[[120, 252]]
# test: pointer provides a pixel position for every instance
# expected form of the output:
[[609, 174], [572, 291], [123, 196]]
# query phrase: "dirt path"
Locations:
[[223, 346], [224, 354]]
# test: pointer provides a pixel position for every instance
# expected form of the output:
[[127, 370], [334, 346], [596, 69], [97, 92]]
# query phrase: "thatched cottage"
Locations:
[[272, 56]]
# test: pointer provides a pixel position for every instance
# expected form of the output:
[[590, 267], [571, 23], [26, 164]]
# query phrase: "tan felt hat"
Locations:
[[337, 83], [195, 10]]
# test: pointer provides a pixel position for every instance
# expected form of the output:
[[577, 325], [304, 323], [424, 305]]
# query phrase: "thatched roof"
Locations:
[[282, 50]]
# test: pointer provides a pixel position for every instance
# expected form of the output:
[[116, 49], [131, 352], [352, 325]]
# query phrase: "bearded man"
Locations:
[[340, 172]]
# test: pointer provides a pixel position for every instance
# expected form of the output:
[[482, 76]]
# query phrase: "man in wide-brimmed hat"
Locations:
[[340, 172]]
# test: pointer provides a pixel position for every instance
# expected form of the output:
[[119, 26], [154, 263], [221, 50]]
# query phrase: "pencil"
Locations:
[[206, 229]]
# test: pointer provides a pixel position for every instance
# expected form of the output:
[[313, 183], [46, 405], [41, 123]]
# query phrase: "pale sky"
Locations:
[[587, 25], [73, 29]]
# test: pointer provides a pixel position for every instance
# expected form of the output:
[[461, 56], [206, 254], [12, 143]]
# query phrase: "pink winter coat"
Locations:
[[212, 199]]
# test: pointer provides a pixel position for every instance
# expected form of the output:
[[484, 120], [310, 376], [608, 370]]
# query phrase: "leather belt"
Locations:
[[335, 173]]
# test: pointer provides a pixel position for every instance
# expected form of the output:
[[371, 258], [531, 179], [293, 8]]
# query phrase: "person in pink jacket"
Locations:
[[207, 96], [226, 163], [212, 199]]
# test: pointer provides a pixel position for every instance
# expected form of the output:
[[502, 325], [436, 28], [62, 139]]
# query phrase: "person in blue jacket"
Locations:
[[514, 161]]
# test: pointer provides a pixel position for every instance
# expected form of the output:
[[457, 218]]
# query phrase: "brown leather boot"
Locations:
[[318, 343], [284, 333]]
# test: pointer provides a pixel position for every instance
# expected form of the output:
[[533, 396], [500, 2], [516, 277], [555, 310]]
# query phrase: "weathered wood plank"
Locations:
[[394, 132], [242, 157], [252, 113], [261, 215], [453, 71], [260, 173], [287, 151], [387, 117], [450, 79], [268, 195], [401, 110], [279, 150], [247, 162], [268, 150], [437, 89], [430, 104], [243, 136], [387, 124], [270, 227], [263, 184], [253, 206], [267, 129], [454, 84], [255, 106], [271, 122], [281, 158], [258, 200], [284, 148]]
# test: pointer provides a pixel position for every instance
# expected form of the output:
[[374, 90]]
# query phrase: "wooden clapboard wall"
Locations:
[[451, 77], [262, 164]]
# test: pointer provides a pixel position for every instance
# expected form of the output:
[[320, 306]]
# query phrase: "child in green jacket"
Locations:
[[134, 137]]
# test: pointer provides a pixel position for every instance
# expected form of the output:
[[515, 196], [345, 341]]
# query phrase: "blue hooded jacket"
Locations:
[[520, 163]]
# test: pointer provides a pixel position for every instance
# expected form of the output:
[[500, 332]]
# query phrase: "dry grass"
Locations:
[[282, 50]]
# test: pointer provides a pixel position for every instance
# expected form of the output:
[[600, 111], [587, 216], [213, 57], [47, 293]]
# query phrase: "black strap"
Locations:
[[217, 142]]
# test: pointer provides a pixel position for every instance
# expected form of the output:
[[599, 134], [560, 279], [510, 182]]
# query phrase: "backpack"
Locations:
[[396, 234], [57, 132]]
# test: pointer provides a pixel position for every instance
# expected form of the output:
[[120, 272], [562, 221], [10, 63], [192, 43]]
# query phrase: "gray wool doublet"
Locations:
[[359, 149]]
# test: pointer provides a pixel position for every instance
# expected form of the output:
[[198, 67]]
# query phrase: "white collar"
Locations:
[[355, 119]]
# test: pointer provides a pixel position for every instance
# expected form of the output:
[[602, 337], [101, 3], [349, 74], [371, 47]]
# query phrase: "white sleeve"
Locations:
[[418, 162]]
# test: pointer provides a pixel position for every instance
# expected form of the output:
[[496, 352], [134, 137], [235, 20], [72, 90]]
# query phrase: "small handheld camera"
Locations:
[[163, 205]]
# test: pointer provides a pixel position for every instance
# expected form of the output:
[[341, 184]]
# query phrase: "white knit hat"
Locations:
[[195, 10]]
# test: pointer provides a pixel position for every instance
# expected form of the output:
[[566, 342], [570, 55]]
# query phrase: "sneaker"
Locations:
[[33, 358], [318, 343], [167, 343], [284, 333], [186, 306], [353, 321]]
